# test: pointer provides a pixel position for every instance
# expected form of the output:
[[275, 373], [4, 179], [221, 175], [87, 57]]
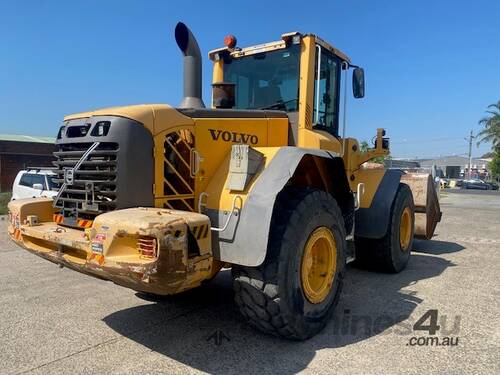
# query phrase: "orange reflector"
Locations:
[[147, 247], [84, 223], [58, 218], [98, 257], [17, 234]]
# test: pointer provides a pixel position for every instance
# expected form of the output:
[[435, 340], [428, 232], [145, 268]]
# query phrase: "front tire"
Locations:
[[392, 252], [294, 292]]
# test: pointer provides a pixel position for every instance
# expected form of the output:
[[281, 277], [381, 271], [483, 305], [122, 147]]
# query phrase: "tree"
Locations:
[[491, 123], [487, 155], [364, 147], [494, 166]]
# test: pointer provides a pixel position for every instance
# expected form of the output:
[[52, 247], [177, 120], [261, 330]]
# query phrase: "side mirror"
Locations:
[[358, 83], [38, 186]]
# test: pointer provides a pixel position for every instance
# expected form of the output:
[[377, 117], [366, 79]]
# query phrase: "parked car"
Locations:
[[34, 183], [494, 185], [476, 184]]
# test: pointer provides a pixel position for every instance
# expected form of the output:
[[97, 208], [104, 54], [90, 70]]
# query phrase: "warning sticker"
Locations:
[[97, 243], [100, 237], [97, 247], [16, 222]]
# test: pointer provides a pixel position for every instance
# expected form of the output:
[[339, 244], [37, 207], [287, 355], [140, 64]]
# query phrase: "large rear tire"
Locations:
[[392, 252], [294, 292]]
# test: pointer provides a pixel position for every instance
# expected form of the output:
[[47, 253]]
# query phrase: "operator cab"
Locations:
[[278, 76]]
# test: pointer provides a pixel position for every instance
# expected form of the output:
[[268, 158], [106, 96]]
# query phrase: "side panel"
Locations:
[[372, 221], [245, 239], [215, 136]]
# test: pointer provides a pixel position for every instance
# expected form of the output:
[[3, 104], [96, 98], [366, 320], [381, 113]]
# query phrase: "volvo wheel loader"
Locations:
[[160, 199]]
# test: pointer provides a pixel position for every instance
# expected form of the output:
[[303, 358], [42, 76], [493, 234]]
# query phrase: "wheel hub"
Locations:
[[405, 228], [319, 263]]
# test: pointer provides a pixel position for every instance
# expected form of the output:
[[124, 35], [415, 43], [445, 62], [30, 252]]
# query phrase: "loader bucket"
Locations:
[[427, 209]]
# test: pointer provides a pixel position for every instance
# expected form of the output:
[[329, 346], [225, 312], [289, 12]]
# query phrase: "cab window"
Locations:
[[326, 92], [268, 80]]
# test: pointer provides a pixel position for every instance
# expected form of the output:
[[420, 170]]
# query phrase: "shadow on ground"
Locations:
[[206, 332], [436, 247]]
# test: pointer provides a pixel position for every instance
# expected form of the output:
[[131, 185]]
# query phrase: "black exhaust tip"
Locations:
[[192, 67], [182, 35]]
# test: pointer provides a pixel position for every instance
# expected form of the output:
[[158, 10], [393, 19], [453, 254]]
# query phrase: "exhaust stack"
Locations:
[[192, 67]]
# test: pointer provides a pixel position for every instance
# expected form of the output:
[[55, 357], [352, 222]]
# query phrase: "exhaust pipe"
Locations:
[[192, 67]]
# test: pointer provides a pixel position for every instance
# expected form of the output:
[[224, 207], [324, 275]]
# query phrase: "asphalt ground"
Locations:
[[472, 191], [57, 321]]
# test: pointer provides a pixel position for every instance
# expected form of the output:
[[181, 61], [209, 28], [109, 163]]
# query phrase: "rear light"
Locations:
[[147, 247]]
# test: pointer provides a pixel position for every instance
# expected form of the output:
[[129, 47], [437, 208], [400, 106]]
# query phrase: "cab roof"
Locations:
[[279, 44]]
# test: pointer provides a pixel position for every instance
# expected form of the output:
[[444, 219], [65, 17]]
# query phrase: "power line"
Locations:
[[426, 140]]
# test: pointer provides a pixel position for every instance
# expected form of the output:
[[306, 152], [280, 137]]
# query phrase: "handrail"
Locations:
[[359, 193], [224, 227], [344, 116], [229, 217], [318, 77]]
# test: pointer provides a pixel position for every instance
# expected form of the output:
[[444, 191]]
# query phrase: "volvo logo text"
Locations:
[[234, 137]]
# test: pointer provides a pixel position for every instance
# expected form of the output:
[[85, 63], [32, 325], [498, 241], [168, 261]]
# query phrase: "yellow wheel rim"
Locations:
[[405, 228], [319, 263]]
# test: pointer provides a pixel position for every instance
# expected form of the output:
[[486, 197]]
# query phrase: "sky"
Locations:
[[431, 67]]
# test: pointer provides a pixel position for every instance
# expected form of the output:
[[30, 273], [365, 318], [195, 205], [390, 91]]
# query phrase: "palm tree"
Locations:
[[491, 123]]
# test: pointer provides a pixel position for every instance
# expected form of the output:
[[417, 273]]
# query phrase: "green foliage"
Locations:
[[494, 166], [491, 123], [364, 147], [4, 199]]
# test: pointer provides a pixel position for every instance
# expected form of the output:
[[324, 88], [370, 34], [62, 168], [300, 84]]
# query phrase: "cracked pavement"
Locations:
[[59, 321]]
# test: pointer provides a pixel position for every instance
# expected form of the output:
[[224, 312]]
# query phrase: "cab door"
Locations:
[[326, 92]]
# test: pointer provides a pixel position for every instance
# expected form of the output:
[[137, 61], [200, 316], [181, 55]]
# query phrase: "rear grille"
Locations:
[[98, 173]]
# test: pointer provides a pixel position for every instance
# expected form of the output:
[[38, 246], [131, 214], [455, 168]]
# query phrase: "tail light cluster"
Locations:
[[147, 247]]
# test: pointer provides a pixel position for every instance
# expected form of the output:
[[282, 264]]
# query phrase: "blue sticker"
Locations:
[[97, 247]]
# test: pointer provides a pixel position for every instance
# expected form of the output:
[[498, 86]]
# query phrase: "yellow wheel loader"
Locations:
[[159, 199]]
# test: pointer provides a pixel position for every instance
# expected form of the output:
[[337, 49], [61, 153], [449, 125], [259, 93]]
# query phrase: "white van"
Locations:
[[34, 183]]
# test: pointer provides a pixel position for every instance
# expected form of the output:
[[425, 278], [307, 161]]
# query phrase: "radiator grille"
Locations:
[[97, 174]]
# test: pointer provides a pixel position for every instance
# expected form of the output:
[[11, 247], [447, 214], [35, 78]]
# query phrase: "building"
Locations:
[[458, 166], [401, 163], [20, 152]]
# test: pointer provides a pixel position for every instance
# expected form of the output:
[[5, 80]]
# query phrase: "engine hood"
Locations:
[[155, 117]]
